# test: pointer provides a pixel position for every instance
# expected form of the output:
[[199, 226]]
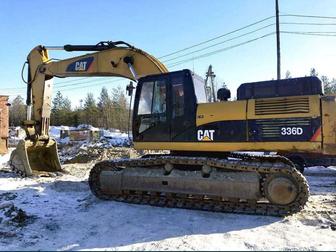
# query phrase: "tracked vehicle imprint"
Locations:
[[245, 184]]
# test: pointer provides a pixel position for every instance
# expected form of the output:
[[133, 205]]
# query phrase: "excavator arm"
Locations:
[[116, 59]]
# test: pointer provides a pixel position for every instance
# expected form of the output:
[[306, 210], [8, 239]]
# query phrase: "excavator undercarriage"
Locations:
[[238, 184]]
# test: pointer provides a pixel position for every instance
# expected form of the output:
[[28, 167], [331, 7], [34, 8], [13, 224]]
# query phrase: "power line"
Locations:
[[13, 88], [76, 80], [305, 23], [83, 82], [212, 39], [91, 85], [247, 26], [56, 84], [326, 34], [245, 34], [322, 34], [71, 81], [221, 50], [68, 81], [318, 32], [66, 85], [219, 43], [307, 16]]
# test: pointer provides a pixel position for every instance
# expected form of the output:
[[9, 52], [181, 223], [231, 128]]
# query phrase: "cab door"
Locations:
[[183, 107], [151, 119]]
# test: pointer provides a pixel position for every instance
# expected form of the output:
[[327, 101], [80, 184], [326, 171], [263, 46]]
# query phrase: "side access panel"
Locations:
[[225, 122], [286, 120], [328, 104]]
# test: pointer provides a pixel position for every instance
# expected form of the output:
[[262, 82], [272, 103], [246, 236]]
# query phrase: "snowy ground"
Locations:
[[60, 213]]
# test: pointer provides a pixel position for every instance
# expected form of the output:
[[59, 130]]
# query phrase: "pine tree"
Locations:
[[61, 113], [329, 86], [17, 111], [91, 112], [123, 112], [120, 109], [105, 109], [313, 72]]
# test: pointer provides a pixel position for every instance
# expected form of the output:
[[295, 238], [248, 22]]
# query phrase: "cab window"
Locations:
[[199, 89], [152, 104], [145, 103], [159, 100], [178, 97]]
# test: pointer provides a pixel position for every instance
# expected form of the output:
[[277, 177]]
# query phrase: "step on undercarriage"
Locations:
[[266, 185]]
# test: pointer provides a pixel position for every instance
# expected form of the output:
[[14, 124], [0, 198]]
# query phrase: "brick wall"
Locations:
[[4, 119]]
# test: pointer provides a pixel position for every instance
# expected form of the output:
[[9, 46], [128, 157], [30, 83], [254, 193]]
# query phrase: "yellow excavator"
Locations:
[[203, 169]]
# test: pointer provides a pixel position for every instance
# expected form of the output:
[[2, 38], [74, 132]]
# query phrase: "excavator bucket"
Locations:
[[29, 157]]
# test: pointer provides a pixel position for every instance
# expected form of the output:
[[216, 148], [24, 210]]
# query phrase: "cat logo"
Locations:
[[82, 65], [205, 135]]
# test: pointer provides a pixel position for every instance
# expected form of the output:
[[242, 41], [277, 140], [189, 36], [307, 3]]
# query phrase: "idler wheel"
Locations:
[[281, 189]]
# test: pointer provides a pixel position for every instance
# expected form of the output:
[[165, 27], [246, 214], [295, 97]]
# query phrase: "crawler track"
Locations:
[[265, 166]]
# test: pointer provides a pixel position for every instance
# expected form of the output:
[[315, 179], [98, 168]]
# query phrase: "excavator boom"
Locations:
[[38, 152]]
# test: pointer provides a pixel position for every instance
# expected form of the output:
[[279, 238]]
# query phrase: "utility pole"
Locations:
[[278, 40], [211, 74]]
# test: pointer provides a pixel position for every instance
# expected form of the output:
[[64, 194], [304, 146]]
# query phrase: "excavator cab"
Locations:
[[165, 107]]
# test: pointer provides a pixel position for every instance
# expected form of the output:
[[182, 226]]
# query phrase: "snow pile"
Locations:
[[320, 169], [85, 152], [55, 132], [87, 127], [15, 135], [114, 137], [102, 145], [64, 141], [108, 138], [4, 158]]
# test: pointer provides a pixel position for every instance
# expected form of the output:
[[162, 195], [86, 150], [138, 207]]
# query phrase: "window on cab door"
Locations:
[[178, 96], [146, 97], [152, 104]]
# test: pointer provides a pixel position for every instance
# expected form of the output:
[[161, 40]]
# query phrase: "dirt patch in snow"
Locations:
[[89, 154], [69, 186], [12, 218]]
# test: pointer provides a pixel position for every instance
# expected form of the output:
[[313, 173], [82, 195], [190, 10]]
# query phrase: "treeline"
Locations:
[[108, 111], [329, 84]]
